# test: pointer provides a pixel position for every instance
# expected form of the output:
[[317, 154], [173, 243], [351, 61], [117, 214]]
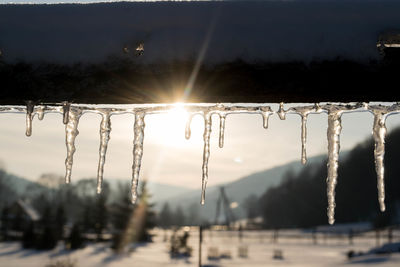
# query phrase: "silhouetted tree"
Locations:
[[75, 239], [165, 217], [178, 217], [251, 205]]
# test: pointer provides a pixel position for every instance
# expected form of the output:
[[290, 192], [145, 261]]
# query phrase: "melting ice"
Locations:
[[72, 113]]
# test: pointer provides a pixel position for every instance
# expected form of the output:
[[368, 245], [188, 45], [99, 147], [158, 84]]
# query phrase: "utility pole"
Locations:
[[200, 241]]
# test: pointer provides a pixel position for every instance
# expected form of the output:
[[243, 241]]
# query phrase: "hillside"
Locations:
[[23, 187], [237, 191], [301, 201]]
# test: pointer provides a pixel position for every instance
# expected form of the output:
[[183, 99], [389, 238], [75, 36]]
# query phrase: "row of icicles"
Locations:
[[72, 114]]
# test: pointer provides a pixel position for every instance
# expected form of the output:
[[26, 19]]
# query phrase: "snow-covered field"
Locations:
[[295, 252]]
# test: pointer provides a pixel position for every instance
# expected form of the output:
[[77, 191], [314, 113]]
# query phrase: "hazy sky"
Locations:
[[168, 157]]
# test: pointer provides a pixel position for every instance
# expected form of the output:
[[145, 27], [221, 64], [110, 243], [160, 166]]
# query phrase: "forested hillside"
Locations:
[[300, 200]]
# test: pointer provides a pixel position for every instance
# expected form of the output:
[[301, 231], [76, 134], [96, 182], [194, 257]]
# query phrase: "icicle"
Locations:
[[105, 129], [66, 108], [317, 108], [187, 130], [281, 112], [303, 138], [266, 112], [29, 110], [137, 152], [333, 134], [379, 133], [303, 112], [206, 154], [222, 118], [71, 131], [40, 113]]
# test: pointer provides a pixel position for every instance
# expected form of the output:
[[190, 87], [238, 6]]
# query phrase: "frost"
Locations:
[[72, 113]]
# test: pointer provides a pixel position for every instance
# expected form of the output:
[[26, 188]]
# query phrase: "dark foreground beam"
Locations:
[[124, 53], [120, 81]]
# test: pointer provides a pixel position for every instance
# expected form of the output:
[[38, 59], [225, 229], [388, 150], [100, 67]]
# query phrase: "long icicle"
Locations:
[[29, 111], [222, 118], [304, 112], [71, 131], [105, 129], [206, 154], [187, 129], [333, 134], [138, 129], [379, 133], [303, 138]]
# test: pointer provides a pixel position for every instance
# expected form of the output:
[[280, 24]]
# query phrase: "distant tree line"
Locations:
[[301, 201], [51, 211], [168, 217]]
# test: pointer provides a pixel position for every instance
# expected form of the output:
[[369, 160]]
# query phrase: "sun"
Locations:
[[169, 128]]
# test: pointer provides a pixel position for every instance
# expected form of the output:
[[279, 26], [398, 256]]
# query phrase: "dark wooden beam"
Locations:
[[124, 82]]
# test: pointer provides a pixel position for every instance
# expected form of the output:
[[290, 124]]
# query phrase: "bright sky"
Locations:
[[168, 157]]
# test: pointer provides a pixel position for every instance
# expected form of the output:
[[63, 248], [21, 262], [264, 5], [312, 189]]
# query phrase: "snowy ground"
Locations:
[[296, 252]]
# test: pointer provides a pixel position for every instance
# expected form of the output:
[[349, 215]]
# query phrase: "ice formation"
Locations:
[[137, 151], [379, 132], [72, 113], [222, 119], [71, 131], [303, 112], [265, 113], [40, 112], [29, 116], [66, 106], [187, 130], [105, 129]]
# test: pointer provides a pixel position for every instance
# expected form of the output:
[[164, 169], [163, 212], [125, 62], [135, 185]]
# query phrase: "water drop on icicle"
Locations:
[[222, 118], [187, 129], [206, 154], [379, 133], [29, 110], [71, 131], [138, 129], [66, 108], [333, 134], [266, 112], [105, 129], [281, 112]]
